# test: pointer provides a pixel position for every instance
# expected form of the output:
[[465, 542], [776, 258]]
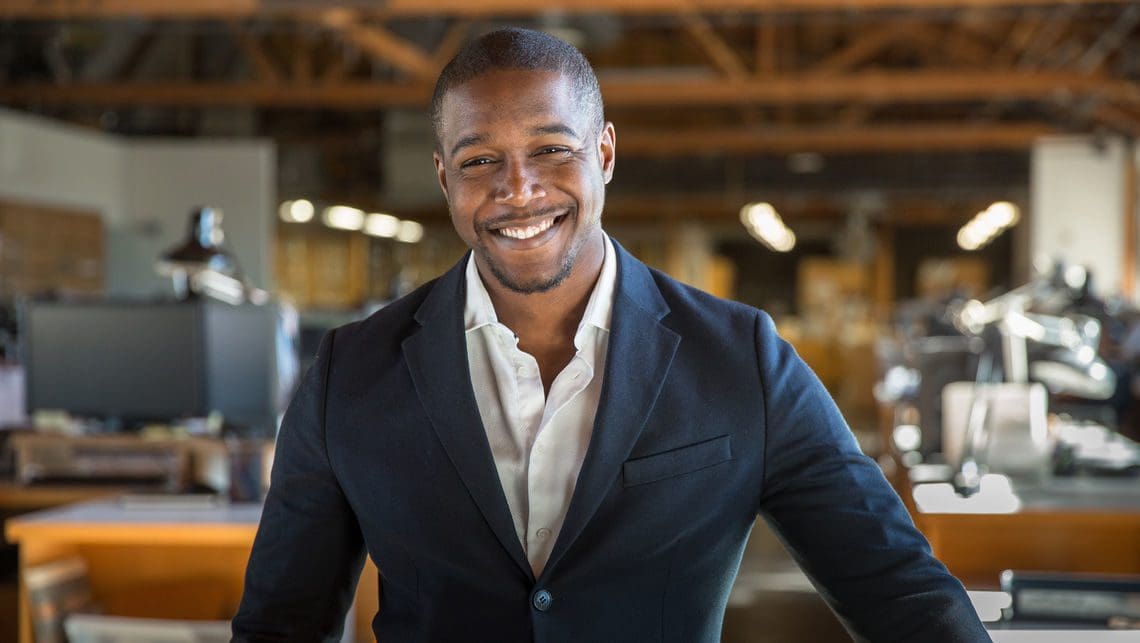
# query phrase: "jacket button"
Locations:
[[542, 600]]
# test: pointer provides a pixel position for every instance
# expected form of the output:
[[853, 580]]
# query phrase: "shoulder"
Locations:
[[691, 307], [385, 328]]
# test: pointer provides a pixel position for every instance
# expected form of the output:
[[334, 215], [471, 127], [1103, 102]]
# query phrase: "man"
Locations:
[[552, 442]]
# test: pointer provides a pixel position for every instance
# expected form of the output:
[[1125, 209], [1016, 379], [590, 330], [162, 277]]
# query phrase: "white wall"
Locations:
[[1077, 200], [144, 189], [49, 163]]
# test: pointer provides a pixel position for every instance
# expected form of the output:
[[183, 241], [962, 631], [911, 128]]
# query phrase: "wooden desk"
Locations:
[[1073, 525], [17, 498], [163, 563]]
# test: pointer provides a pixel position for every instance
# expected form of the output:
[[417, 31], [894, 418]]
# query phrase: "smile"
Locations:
[[529, 232]]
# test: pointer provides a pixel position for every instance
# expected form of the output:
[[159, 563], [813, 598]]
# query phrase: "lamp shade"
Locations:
[[201, 250]]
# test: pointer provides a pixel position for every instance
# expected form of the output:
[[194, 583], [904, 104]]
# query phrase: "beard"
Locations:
[[534, 285]]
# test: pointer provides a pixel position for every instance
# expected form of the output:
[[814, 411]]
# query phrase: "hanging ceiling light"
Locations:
[[298, 211], [343, 217], [987, 225], [410, 232], [765, 225], [379, 224]]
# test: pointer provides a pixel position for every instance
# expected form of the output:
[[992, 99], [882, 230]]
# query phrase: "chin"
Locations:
[[528, 284]]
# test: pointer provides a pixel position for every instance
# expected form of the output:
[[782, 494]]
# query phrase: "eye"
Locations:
[[553, 149], [479, 160]]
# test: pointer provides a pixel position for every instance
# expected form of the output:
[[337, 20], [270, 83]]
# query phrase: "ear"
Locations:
[[606, 150], [441, 174]]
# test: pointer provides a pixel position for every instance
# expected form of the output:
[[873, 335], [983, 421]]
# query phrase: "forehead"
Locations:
[[504, 101]]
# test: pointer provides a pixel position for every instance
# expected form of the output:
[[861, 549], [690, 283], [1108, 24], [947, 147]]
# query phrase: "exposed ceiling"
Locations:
[[811, 98]]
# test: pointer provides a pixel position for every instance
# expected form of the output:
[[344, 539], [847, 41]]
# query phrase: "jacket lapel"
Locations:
[[437, 358], [641, 349]]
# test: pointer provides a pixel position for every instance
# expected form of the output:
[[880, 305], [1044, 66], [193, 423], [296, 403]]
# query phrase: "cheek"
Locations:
[[463, 200], [574, 180], [464, 207]]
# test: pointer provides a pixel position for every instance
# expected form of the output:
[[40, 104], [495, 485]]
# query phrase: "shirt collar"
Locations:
[[478, 311]]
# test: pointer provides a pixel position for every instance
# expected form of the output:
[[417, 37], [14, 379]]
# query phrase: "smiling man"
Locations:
[[552, 442]]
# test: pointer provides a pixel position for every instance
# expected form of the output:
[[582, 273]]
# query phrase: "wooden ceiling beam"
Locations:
[[878, 87], [332, 95], [1110, 40], [1020, 36], [1047, 38], [722, 55], [885, 138], [640, 91], [937, 210], [380, 43], [863, 47], [966, 48], [1117, 118], [208, 9], [302, 58], [264, 69], [451, 43], [138, 52], [767, 47], [856, 114]]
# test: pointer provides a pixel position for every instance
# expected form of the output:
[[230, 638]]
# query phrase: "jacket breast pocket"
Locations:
[[676, 462]]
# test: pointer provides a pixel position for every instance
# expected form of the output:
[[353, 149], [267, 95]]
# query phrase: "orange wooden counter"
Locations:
[[1069, 525], [186, 563]]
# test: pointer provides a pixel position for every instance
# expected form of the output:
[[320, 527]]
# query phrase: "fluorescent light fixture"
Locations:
[[343, 217], [1004, 214], [379, 224], [298, 211], [765, 225], [410, 232], [987, 225]]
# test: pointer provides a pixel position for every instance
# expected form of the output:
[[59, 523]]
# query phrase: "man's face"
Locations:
[[523, 167]]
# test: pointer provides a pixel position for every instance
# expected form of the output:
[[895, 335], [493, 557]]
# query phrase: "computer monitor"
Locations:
[[137, 362]]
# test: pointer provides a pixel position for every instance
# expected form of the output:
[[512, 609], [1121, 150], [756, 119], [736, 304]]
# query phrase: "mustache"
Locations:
[[517, 219]]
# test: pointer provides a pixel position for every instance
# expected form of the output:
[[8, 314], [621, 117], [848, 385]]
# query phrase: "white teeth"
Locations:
[[528, 232]]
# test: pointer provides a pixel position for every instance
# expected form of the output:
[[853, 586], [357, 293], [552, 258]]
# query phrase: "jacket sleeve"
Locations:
[[841, 519], [308, 551]]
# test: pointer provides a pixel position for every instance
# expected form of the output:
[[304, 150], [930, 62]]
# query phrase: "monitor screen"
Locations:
[[139, 362], [133, 362]]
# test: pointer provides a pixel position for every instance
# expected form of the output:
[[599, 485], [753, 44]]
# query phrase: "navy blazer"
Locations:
[[707, 419]]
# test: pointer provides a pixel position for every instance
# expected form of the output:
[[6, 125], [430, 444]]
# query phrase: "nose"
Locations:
[[518, 185]]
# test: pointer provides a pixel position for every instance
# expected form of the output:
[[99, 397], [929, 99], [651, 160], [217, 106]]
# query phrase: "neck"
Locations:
[[546, 323]]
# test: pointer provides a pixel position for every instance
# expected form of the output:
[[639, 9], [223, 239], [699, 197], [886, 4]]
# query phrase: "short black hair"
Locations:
[[519, 49]]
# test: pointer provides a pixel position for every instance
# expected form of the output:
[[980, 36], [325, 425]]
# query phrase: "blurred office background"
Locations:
[[920, 192]]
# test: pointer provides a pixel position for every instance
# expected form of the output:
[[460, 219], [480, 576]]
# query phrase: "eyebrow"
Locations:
[[554, 128], [466, 141], [476, 139]]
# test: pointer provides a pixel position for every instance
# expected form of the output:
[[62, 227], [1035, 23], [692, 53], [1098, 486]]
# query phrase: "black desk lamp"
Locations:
[[200, 263]]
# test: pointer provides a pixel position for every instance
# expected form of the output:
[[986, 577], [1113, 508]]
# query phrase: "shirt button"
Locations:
[[543, 533], [542, 600], [576, 375]]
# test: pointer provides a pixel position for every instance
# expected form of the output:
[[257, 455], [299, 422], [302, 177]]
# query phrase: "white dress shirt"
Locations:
[[538, 442]]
